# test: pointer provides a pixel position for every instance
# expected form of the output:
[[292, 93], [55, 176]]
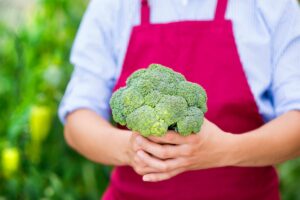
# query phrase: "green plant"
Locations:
[[10, 161], [34, 70], [289, 174], [157, 99]]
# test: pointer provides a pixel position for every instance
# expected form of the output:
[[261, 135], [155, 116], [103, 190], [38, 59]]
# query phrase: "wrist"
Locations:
[[123, 154], [243, 148], [231, 155]]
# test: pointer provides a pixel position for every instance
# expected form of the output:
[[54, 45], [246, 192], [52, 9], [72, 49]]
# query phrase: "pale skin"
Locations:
[[160, 158]]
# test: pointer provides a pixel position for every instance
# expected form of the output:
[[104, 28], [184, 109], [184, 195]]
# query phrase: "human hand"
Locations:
[[133, 159], [172, 154]]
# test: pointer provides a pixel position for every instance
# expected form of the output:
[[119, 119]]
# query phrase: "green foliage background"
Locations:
[[34, 70]]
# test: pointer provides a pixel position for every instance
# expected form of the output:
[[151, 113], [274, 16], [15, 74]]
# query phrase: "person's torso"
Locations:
[[205, 53], [251, 29]]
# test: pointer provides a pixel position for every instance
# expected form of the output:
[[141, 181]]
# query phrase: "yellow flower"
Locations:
[[10, 161], [40, 122]]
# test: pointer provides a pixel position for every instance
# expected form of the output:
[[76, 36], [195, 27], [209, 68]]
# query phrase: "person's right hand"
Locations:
[[134, 160]]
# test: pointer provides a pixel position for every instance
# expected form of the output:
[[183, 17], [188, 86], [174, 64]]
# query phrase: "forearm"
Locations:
[[273, 143], [95, 138]]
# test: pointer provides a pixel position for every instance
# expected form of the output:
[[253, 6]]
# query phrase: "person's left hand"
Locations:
[[173, 154]]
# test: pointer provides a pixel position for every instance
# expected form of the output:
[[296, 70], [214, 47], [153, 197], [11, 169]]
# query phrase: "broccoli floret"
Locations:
[[192, 92], [144, 86], [153, 98], [157, 99], [171, 109], [135, 76], [173, 76], [192, 122], [118, 108], [159, 128], [145, 121], [131, 99]]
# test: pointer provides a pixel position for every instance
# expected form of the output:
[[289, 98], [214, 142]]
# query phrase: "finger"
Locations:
[[138, 161], [135, 146], [141, 167], [158, 150], [162, 166], [171, 137], [136, 133], [133, 136], [153, 177], [144, 170]]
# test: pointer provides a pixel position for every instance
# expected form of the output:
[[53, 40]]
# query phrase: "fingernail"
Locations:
[[146, 178], [140, 154], [138, 140]]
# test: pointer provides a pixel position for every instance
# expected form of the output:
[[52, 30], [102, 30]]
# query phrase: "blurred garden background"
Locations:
[[35, 41]]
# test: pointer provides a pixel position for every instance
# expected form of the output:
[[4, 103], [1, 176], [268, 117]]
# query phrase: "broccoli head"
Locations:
[[158, 99]]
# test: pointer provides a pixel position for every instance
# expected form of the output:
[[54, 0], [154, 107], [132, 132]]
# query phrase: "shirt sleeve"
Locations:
[[94, 62], [285, 87]]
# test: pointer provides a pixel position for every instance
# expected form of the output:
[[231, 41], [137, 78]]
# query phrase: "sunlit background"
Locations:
[[35, 41]]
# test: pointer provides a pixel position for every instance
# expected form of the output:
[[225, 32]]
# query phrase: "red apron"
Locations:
[[206, 53]]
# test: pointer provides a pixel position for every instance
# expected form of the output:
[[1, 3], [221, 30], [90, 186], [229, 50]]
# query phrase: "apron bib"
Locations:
[[204, 52]]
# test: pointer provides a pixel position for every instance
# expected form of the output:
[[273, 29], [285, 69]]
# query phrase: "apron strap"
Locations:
[[221, 10], [219, 14], [145, 12]]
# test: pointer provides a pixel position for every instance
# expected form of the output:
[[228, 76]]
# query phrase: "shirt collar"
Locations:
[[184, 2]]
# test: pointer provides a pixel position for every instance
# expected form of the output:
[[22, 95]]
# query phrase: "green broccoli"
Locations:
[[158, 99]]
